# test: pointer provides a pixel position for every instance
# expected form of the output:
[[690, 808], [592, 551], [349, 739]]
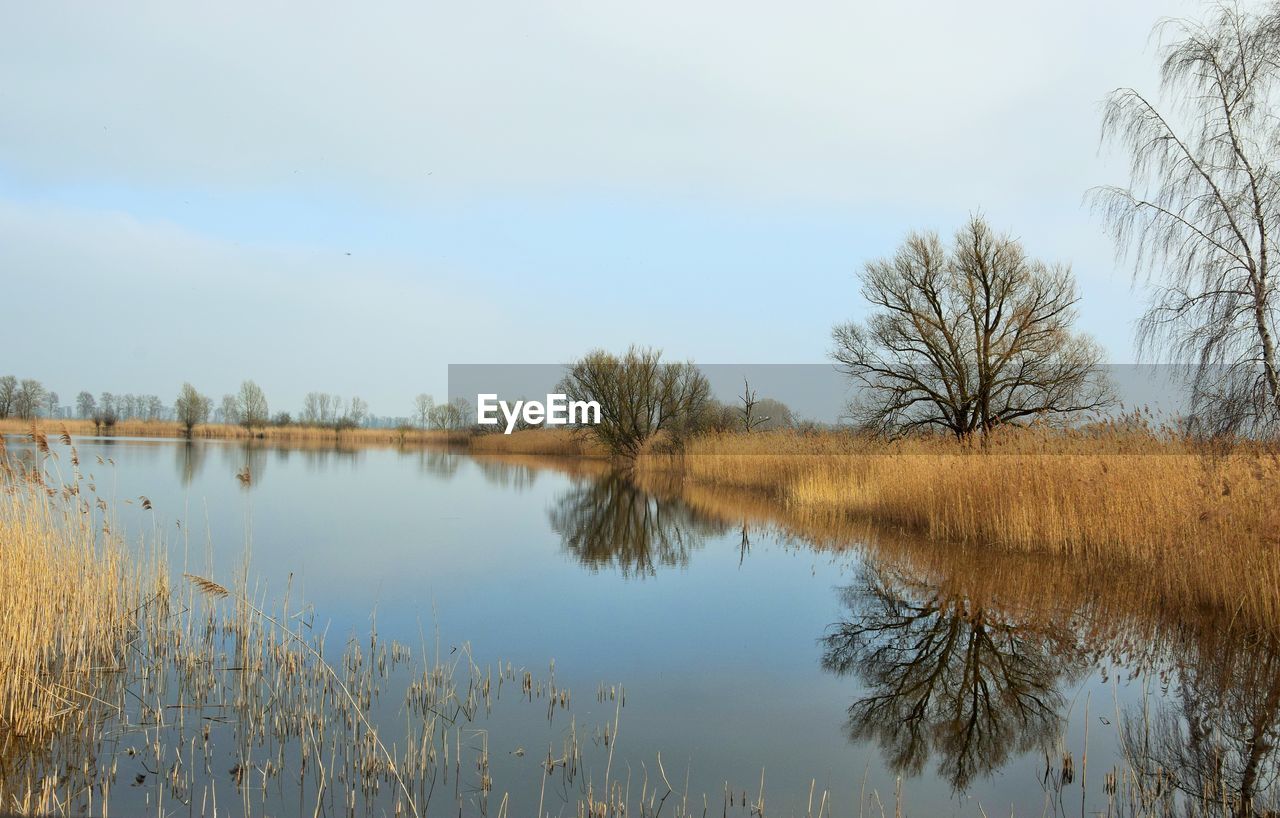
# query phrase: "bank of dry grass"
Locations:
[[293, 433], [554, 442], [1204, 522]]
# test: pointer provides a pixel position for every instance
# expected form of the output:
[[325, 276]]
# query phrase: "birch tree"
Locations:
[[1198, 219]]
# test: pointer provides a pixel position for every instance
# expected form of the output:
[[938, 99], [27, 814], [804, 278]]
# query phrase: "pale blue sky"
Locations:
[[180, 186]]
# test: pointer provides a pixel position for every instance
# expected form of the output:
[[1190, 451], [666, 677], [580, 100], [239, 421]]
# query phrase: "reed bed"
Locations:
[[204, 696], [70, 591], [110, 678], [1208, 518]]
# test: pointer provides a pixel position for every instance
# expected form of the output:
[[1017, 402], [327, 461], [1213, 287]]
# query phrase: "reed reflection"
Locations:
[[611, 523], [248, 461], [946, 676]]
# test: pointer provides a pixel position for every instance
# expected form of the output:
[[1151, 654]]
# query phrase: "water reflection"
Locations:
[[247, 460], [611, 523], [438, 462], [190, 457], [517, 476], [963, 659], [1214, 743], [946, 676], [321, 458]]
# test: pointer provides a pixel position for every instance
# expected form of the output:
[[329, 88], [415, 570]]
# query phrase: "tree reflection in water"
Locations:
[[249, 458], [439, 462], [610, 522], [1211, 749], [507, 475], [190, 460], [947, 676]]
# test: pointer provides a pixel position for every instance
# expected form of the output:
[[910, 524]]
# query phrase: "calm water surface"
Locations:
[[741, 649]]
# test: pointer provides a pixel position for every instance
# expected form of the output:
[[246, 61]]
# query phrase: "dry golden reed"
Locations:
[[70, 591], [1207, 520]]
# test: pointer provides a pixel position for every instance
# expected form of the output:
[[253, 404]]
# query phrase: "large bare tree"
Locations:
[[1199, 216], [967, 338], [639, 396]]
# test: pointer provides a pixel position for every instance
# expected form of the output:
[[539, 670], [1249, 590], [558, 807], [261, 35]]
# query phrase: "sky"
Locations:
[[350, 197]]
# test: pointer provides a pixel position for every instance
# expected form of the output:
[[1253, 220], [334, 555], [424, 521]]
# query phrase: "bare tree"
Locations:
[[191, 408], [748, 415], [357, 412], [758, 413], [422, 406], [8, 391], [251, 406], [445, 416], [51, 402], [337, 414], [639, 396], [29, 398], [85, 405], [107, 412], [311, 412], [462, 412], [230, 409], [1199, 217], [967, 339]]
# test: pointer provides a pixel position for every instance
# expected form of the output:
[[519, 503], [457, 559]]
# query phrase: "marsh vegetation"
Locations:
[[933, 675]]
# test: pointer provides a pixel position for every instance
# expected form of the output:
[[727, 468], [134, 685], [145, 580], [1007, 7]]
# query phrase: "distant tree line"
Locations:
[[451, 416], [28, 399]]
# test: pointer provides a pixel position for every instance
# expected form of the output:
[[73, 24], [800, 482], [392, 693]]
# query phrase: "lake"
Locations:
[[713, 633]]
